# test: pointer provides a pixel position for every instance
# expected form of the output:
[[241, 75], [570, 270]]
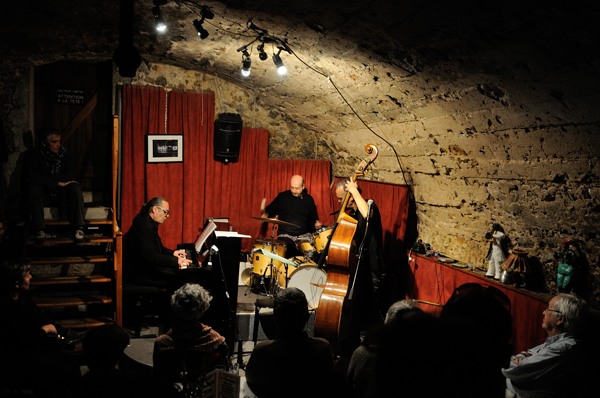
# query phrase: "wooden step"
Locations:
[[87, 222], [70, 280], [69, 260], [83, 323], [69, 301], [90, 213], [55, 241]]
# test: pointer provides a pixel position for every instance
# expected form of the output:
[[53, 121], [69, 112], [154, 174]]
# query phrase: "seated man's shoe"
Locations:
[[40, 235], [79, 235]]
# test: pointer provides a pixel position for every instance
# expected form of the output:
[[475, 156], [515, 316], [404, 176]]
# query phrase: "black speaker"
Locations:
[[228, 135]]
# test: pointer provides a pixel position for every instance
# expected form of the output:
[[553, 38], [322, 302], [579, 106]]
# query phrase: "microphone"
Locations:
[[370, 202], [213, 250]]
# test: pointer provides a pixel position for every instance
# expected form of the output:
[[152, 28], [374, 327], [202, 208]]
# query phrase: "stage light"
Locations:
[[206, 12], [202, 33], [246, 64], [261, 52], [281, 69], [159, 22]]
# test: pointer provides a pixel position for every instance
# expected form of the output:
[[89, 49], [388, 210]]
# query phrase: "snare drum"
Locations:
[[260, 262], [321, 237], [311, 280]]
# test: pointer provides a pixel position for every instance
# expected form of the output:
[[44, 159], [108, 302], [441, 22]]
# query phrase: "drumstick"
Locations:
[[262, 205]]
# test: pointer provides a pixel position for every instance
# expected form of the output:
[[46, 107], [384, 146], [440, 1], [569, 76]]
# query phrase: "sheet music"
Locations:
[[210, 228], [230, 234]]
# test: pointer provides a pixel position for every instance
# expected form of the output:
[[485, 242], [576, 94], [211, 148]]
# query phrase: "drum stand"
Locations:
[[272, 289]]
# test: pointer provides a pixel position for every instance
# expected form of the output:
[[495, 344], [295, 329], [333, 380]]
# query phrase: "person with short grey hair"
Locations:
[[189, 343], [553, 368]]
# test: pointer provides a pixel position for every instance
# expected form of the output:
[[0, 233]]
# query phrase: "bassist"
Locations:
[[360, 310]]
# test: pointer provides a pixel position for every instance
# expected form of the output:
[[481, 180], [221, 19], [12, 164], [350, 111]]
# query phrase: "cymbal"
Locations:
[[247, 276], [275, 221]]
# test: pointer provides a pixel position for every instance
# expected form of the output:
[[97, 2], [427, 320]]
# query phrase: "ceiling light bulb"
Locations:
[[246, 64], [281, 69], [159, 22]]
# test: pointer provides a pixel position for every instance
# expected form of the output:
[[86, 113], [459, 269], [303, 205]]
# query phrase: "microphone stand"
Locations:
[[229, 324]]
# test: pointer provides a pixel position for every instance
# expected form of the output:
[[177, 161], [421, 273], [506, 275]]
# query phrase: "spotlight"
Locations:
[[202, 33], [281, 69], [159, 22], [206, 12], [246, 64], [261, 52]]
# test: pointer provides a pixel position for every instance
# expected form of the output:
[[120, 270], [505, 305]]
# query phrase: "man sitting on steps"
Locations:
[[50, 176]]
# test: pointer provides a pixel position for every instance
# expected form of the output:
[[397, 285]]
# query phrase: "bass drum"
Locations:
[[311, 280]]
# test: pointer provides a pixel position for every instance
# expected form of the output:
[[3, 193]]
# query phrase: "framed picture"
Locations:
[[164, 148]]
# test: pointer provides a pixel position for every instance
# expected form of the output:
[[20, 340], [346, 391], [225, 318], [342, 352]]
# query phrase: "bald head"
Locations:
[[296, 185]]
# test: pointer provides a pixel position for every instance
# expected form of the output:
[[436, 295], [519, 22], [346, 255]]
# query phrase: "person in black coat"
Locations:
[[50, 176], [146, 260]]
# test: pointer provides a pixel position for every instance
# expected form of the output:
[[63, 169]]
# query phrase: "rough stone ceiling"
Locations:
[[388, 58]]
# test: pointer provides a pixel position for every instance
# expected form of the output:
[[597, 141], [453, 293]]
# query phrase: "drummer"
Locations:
[[297, 207]]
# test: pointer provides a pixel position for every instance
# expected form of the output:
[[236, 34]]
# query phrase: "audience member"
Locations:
[[294, 206], [294, 364], [481, 314], [360, 374], [457, 354], [556, 367], [32, 351], [189, 348], [51, 177], [146, 261], [103, 352]]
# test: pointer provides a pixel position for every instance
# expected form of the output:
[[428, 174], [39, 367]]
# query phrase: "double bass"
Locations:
[[341, 260]]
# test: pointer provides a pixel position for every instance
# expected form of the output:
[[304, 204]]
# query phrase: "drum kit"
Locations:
[[271, 270]]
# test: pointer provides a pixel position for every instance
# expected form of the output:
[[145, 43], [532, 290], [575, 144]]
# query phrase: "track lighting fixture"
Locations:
[[246, 63], [281, 69], [202, 33], [159, 22]]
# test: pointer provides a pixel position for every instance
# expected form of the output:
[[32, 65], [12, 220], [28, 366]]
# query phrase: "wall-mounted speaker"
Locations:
[[227, 137]]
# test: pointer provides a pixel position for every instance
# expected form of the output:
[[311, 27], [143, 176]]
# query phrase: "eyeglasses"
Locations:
[[165, 211], [552, 310]]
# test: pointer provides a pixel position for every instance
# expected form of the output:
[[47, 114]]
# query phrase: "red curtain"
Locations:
[[182, 184]]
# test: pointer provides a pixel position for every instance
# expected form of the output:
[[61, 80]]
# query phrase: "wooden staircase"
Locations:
[[75, 281], [79, 282]]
